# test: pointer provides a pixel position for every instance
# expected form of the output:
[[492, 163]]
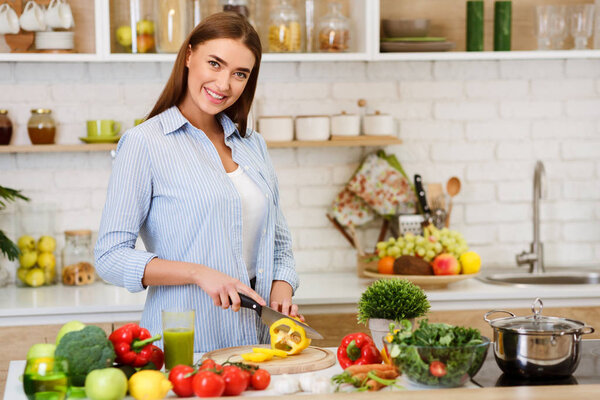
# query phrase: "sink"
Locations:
[[576, 277]]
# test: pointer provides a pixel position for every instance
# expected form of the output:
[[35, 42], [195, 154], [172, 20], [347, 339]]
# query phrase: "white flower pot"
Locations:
[[380, 328]]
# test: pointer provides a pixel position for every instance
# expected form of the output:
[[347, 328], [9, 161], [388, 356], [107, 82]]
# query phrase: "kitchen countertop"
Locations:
[[318, 293]]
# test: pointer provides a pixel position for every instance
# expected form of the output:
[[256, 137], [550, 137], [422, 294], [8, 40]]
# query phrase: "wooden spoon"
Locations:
[[453, 188]]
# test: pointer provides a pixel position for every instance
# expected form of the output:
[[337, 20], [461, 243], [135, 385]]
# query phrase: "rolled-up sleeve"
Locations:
[[284, 263], [127, 203]]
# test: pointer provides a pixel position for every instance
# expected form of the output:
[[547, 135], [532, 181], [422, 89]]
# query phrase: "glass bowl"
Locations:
[[438, 366]]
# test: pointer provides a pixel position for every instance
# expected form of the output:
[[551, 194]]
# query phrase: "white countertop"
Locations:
[[318, 293]]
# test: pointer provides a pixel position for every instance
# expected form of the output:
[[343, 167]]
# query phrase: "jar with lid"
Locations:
[[175, 20], [41, 126], [285, 30], [6, 128], [334, 30], [133, 27], [77, 259]]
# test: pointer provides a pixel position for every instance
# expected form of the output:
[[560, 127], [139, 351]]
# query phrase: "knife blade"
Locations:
[[268, 316], [422, 197]]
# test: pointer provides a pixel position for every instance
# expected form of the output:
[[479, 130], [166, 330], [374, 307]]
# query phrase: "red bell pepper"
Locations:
[[357, 349], [133, 345]]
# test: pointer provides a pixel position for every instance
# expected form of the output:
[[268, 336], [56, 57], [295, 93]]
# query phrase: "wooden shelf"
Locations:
[[349, 142]]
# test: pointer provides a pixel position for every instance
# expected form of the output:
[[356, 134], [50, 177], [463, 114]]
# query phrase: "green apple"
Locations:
[[106, 384], [28, 259], [145, 27], [124, 35], [26, 243], [70, 326], [46, 244], [41, 350]]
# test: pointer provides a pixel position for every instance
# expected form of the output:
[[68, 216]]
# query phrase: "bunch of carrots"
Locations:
[[371, 377]]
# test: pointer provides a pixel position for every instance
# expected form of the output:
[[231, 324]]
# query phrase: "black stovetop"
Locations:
[[588, 371]]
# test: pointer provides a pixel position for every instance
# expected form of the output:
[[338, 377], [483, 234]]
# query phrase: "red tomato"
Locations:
[[182, 386], [157, 357], [208, 384], [260, 379], [235, 380], [437, 369], [210, 364], [247, 377]]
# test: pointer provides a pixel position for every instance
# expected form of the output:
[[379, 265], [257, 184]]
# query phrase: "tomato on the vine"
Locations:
[[182, 386], [208, 384], [235, 380], [210, 364], [437, 369], [260, 379]]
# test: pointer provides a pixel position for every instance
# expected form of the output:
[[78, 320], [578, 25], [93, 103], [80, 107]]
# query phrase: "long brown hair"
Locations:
[[223, 25]]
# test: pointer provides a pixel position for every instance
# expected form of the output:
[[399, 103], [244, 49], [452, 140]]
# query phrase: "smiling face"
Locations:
[[218, 71]]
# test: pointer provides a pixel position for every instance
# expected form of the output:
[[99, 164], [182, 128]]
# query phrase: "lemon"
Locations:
[[26, 243], [149, 385], [28, 259], [46, 244], [49, 274], [46, 260], [22, 273], [470, 262], [35, 277]]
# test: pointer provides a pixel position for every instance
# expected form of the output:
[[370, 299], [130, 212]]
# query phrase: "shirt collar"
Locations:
[[172, 119]]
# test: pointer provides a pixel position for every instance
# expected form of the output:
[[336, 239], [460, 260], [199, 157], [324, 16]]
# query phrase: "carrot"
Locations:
[[355, 369], [387, 374], [373, 385]]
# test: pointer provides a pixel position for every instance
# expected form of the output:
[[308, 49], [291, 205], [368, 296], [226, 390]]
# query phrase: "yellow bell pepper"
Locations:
[[288, 336], [256, 357], [271, 352]]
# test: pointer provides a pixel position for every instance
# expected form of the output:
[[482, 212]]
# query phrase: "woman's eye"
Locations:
[[213, 64], [241, 75]]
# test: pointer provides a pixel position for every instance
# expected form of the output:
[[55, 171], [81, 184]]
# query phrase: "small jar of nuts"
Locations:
[[285, 30], [77, 260], [333, 30]]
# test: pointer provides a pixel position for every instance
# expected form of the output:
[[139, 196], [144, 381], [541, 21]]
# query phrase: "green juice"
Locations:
[[45, 387], [179, 347]]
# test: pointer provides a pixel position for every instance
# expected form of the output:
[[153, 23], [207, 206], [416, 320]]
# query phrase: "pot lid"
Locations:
[[535, 323]]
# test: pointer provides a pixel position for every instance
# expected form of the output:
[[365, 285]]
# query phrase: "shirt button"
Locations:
[[264, 231], [246, 167], [260, 271], [267, 195]]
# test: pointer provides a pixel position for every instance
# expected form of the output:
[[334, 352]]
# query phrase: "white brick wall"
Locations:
[[485, 122]]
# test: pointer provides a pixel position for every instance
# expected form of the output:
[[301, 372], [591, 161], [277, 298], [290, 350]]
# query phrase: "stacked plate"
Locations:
[[54, 40], [425, 43]]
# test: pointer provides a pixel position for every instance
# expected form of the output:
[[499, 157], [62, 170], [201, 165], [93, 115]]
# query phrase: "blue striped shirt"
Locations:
[[168, 185]]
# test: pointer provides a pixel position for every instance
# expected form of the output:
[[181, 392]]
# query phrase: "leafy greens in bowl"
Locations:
[[436, 355]]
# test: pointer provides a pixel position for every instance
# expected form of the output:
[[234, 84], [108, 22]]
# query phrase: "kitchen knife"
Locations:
[[422, 197], [268, 316]]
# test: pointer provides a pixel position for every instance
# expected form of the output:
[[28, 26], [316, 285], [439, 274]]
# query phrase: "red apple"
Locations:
[[445, 264]]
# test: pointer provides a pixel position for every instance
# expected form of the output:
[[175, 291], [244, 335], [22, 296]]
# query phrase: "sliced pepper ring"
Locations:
[[288, 336]]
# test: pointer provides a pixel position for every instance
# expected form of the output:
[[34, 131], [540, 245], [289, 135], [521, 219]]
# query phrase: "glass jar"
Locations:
[[41, 126], [334, 30], [175, 19], [6, 128], [77, 259], [238, 6], [134, 27], [285, 30]]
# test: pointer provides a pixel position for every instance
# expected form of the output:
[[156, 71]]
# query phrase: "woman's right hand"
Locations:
[[223, 289]]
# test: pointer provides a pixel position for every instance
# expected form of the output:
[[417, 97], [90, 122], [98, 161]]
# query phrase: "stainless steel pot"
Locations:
[[537, 346]]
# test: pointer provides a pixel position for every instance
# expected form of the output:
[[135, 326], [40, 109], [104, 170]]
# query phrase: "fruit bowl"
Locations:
[[438, 366], [424, 281]]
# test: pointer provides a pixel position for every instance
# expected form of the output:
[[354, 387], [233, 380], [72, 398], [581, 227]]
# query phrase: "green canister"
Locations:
[[502, 25], [475, 25]]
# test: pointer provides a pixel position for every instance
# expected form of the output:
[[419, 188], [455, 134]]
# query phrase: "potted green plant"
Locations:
[[8, 248], [390, 300]]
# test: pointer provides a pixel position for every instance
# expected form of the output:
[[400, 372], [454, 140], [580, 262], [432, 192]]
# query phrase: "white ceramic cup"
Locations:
[[9, 20], [312, 127], [345, 124], [32, 18], [59, 14], [276, 128], [379, 124]]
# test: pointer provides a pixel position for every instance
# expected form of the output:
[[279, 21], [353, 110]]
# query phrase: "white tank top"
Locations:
[[254, 211]]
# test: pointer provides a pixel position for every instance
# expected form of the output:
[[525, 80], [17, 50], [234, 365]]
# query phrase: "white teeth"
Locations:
[[214, 95]]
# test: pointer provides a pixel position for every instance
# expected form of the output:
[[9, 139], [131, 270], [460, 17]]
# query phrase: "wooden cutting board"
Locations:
[[311, 359]]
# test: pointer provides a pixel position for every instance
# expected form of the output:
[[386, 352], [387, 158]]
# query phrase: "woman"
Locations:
[[200, 190]]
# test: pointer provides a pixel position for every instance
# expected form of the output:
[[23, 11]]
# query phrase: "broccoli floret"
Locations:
[[85, 350]]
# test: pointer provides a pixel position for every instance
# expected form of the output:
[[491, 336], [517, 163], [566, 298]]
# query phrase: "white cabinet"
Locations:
[[365, 16]]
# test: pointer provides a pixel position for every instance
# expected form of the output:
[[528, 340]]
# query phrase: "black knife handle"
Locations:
[[248, 302], [421, 195]]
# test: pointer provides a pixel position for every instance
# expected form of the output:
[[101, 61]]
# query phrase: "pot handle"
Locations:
[[587, 330], [489, 321]]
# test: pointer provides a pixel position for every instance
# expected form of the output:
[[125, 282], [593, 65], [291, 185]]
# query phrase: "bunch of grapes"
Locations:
[[433, 242]]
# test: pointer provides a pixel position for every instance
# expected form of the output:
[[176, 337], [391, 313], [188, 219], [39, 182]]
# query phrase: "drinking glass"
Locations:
[[582, 21], [542, 26], [45, 378], [178, 337], [559, 26]]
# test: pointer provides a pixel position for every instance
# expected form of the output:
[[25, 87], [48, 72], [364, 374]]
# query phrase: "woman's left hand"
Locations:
[[281, 299]]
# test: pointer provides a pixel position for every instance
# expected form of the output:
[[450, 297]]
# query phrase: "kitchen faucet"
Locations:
[[535, 257]]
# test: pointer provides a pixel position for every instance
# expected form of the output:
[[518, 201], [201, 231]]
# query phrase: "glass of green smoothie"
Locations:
[[178, 337]]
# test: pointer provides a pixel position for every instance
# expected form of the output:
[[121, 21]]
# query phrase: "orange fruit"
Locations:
[[386, 265]]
